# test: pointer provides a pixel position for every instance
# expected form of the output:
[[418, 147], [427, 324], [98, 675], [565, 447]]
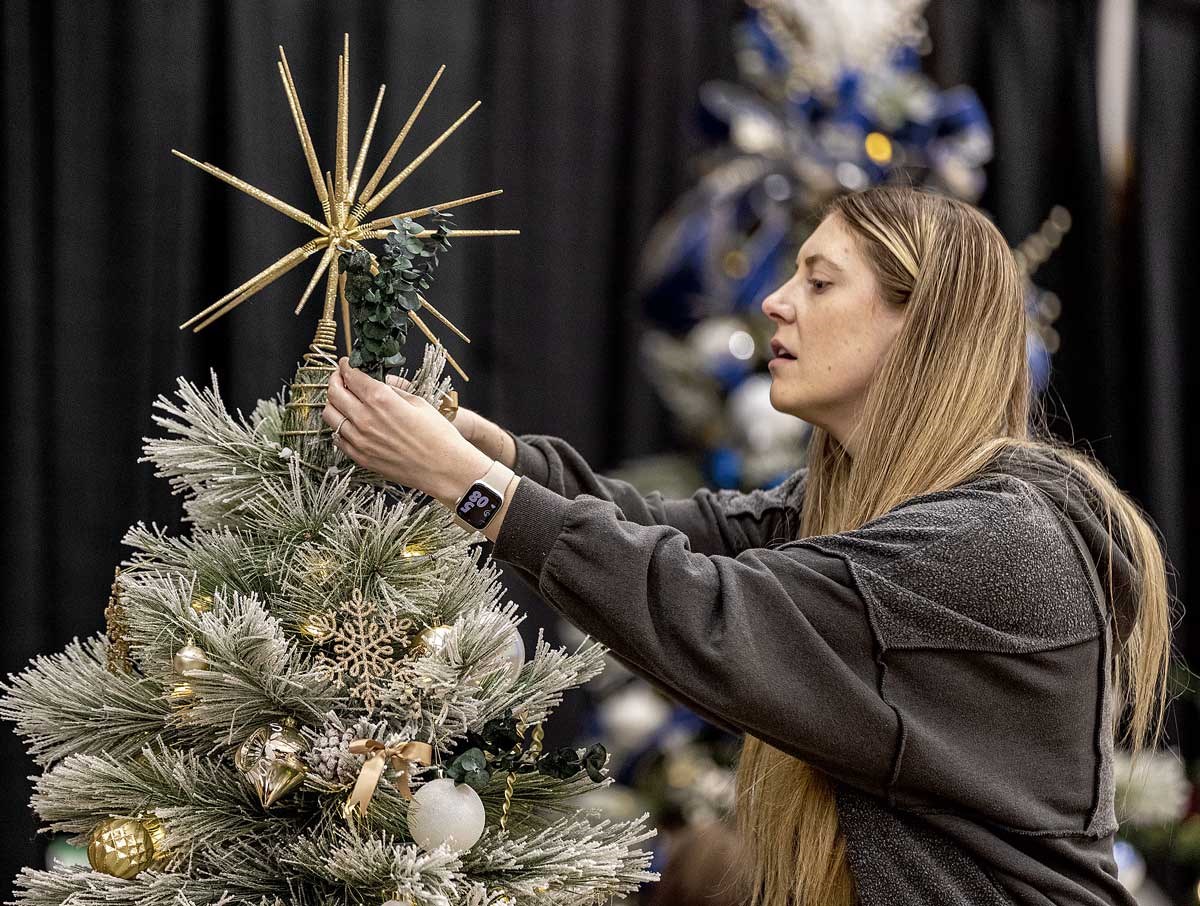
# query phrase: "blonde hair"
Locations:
[[951, 393]]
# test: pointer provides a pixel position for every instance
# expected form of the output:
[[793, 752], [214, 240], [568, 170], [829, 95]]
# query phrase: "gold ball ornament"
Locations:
[[202, 603], [270, 760], [190, 657], [430, 640], [125, 847]]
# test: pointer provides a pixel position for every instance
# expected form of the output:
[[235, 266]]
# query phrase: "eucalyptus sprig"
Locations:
[[380, 301], [497, 748]]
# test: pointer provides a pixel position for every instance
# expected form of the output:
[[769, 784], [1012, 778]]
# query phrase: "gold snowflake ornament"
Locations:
[[366, 646], [344, 206]]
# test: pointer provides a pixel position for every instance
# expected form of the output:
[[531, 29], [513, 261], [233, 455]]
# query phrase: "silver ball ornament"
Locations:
[[190, 657], [431, 640]]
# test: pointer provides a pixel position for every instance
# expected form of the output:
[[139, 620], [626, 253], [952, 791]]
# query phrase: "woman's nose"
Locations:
[[776, 308]]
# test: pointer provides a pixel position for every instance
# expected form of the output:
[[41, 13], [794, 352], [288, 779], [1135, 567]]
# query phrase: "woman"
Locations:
[[929, 636]]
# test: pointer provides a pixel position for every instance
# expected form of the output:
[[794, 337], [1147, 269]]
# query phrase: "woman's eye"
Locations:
[[813, 282]]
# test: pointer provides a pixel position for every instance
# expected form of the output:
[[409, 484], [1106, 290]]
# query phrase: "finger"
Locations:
[[331, 414], [348, 447], [361, 384], [402, 387], [342, 399]]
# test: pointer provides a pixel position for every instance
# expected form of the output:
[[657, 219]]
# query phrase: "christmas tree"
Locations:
[[319, 695]]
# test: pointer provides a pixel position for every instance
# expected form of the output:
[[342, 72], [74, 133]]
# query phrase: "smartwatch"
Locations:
[[483, 499]]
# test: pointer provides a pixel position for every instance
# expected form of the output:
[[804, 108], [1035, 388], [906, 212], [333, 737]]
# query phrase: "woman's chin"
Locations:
[[784, 402]]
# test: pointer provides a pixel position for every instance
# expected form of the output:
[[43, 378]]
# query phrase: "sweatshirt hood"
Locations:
[[1076, 498]]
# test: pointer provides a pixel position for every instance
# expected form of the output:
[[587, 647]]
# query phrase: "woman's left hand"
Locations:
[[400, 436]]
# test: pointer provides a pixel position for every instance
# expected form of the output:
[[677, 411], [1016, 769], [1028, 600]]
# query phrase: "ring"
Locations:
[[336, 435]]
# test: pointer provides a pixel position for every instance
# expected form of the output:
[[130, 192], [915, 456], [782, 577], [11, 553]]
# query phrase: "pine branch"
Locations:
[[376, 862], [255, 672], [70, 702], [80, 887], [197, 799], [546, 676], [570, 861], [224, 557]]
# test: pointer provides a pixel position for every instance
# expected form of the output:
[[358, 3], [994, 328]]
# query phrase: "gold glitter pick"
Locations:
[[369, 188], [387, 190], [316, 277], [342, 205], [441, 317], [383, 222]]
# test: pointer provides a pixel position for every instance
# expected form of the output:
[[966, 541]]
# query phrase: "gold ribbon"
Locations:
[[448, 405], [401, 757]]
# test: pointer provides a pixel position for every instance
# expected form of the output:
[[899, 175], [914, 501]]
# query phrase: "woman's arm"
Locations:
[[776, 643], [715, 522], [949, 655]]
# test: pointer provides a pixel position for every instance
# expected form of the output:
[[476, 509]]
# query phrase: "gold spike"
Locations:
[[441, 317], [345, 309], [257, 194], [339, 150], [300, 253], [330, 251], [387, 190], [273, 273], [380, 234], [344, 119], [335, 202], [306, 143], [391, 152], [421, 212], [436, 342], [352, 192], [331, 283]]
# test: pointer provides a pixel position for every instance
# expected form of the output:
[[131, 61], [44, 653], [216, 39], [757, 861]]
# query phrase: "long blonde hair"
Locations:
[[951, 393]]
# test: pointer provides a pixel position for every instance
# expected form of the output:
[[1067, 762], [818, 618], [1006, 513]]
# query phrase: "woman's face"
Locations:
[[832, 328]]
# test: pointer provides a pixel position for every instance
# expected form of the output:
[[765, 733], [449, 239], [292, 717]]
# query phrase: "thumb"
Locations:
[[394, 380]]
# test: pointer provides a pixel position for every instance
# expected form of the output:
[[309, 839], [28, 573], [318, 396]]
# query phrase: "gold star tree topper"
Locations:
[[344, 207]]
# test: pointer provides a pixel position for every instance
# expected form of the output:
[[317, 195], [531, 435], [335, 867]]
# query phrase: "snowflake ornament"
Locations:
[[366, 646]]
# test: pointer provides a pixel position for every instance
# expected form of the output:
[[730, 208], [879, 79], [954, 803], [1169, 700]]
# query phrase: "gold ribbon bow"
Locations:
[[401, 757]]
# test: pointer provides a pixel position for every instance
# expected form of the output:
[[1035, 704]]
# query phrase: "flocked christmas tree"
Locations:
[[319, 695]]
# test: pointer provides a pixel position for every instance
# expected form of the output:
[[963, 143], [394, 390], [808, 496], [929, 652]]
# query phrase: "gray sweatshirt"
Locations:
[[944, 664]]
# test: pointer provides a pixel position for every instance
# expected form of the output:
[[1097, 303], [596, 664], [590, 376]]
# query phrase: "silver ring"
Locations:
[[336, 435]]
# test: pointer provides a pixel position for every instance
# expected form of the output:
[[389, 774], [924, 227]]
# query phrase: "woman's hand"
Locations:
[[400, 436], [480, 432], [467, 421]]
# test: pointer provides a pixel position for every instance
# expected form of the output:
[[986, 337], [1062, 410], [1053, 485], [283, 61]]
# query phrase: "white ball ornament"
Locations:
[[442, 811], [514, 655]]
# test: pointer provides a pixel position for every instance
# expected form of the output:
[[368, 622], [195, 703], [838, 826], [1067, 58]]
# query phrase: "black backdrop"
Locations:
[[109, 242]]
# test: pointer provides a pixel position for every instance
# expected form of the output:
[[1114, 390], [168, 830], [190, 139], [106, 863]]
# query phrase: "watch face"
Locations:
[[478, 505]]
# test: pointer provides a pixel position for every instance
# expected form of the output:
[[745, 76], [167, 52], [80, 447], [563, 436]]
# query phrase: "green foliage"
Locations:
[[497, 748], [380, 302]]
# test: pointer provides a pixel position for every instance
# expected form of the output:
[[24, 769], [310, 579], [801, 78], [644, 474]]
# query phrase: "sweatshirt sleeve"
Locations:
[[770, 642], [715, 522], [947, 656]]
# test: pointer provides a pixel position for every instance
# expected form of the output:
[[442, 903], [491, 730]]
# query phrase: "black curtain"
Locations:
[[1157, 310], [109, 242]]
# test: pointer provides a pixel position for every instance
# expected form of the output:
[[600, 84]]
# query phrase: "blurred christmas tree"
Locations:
[[319, 695]]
